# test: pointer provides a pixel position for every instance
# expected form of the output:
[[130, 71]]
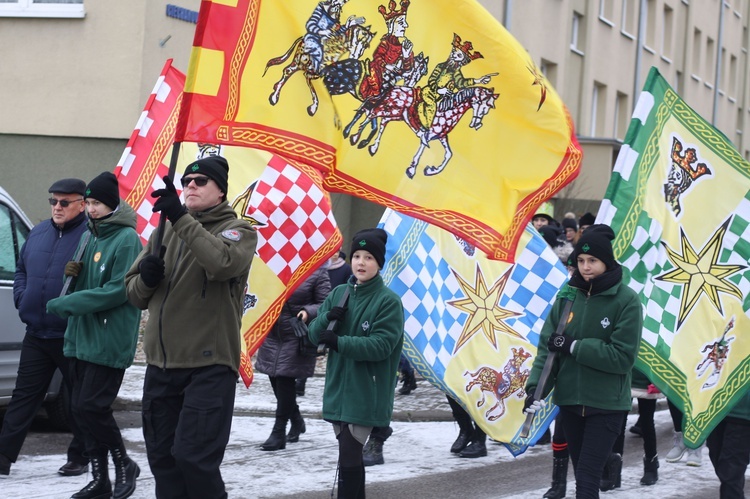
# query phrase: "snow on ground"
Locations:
[[310, 464]]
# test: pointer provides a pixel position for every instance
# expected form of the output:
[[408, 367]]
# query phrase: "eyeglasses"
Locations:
[[199, 181], [63, 202]]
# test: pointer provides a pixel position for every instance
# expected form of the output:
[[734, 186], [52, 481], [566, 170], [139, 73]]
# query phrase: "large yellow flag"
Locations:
[[429, 107]]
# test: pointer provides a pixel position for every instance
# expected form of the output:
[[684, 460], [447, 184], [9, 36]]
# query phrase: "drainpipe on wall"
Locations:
[[507, 12], [639, 51], [717, 78]]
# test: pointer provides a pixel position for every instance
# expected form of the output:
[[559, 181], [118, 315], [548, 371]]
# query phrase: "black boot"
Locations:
[[126, 471], [277, 439], [559, 479], [350, 482], [99, 487], [461, 442], [372, 453], [477, 447], [650, 473], [612, 474], [299, 387], [297, 427], [409, 383]]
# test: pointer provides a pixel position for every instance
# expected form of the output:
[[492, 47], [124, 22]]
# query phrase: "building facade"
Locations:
[[79, 71]]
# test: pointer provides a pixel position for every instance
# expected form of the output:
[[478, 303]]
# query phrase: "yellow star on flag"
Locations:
[[483, 307], [700, 273]]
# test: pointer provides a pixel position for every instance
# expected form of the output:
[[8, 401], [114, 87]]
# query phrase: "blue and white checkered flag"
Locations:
[[472, 324]]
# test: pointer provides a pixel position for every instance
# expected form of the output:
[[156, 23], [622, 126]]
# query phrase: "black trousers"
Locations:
[[187, 417], [590, 439], [39, 360], [286, 397], [729, 450], [95, 389], [465, 423]]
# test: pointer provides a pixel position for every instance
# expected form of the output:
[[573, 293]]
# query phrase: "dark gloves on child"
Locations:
[[72, 269], [560, 343], [336, 314], [169, 202], [330, 339]]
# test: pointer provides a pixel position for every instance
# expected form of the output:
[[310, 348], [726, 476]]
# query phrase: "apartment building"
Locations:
[[78, 72]]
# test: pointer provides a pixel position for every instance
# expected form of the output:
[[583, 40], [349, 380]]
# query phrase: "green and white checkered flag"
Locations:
[[679, 202]]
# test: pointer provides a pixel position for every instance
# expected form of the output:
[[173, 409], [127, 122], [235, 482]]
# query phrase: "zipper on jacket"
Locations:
[[205, 285], [163, 302]]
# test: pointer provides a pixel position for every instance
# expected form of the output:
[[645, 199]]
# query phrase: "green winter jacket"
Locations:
[[195, 312], [607, 327], [102, 325], [361, 376]]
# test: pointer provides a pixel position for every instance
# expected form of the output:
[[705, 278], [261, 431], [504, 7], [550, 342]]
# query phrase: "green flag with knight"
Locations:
[[679, 202]]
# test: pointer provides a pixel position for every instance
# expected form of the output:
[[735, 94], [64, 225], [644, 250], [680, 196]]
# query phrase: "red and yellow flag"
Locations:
[[429, 107]]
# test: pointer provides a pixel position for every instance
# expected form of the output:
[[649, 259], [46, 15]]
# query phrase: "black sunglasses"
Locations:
[[63, 202], [199, 181]]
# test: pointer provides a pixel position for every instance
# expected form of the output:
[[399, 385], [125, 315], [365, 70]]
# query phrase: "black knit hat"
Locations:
[[586, 219], [214, 167], [372, 241], [550, 233], [104, 188], [596, 241], [68, 186], [569, 223]]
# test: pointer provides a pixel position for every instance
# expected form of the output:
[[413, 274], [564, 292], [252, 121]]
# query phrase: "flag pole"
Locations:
[[159, 238]]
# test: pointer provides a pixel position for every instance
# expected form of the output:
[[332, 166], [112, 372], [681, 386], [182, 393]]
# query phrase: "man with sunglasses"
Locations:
[[38, 279], [193, 287]]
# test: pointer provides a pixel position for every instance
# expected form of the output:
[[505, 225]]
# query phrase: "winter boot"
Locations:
[[477, 447], [126, 471], [559, 479], [100, 487], [695, 456], [372, 453], [409, 383], [461, 442], [466, 430], [612, 474], [350, 482], [650, 473], [277, 439], [4, 465], [678, 450], [297, 427]]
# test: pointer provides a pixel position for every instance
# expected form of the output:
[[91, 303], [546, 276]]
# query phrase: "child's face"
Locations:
[[364, 266]]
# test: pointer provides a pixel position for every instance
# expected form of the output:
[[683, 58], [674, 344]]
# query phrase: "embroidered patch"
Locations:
[[365, 326], [231, 234], [605, 322], [97, 256]]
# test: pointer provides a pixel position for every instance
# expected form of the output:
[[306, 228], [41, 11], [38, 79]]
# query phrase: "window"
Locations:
[[629, 16], [696, 70], [577, 38], [732, 86], [678, 82], [650, 23], [598, 100], [41, 8], [13, 234], [549, 70], [607, 10], [667, 32], [622, 116], [710, 60]]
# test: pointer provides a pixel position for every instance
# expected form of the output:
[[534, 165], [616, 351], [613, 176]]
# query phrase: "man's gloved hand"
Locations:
[[151, 268], [561, 343], [336, 314], [72, 269], [168, 202], [330, 339], [532, 405]]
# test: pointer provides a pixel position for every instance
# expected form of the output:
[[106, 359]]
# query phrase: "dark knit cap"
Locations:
[[596, 241], [586, 219], [68, 186], [569, 223], [550, 234], [214, 167], [372, 241], [104, 188]]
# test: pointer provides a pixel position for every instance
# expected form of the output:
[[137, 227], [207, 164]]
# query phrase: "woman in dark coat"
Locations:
[[280, 359]]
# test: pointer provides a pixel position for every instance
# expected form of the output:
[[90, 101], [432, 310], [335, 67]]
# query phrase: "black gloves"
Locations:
[[329, 338], [72, 269], [532, 405], [169, 201], [336, 314], [560, 343], [151, 268]]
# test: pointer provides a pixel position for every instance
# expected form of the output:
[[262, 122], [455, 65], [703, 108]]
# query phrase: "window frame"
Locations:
[[30, 8]]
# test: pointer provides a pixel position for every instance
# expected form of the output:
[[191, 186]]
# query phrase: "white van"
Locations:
[[14, 229]]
